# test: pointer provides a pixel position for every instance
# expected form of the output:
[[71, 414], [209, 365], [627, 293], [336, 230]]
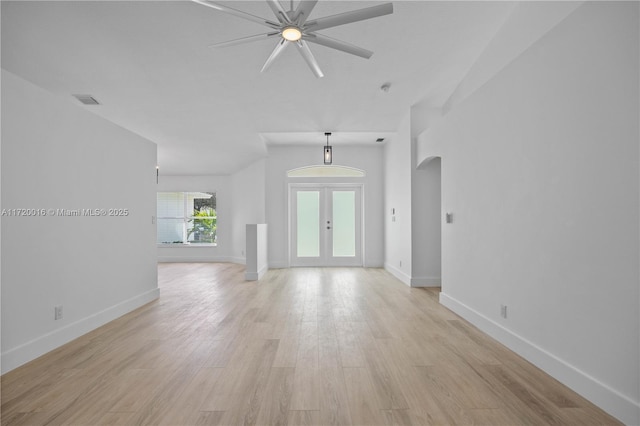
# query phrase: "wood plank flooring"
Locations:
[[300, 347]]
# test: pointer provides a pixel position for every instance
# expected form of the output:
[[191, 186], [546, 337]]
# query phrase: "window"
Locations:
[[187, 218]]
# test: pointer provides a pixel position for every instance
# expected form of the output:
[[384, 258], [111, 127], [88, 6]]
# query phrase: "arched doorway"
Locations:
[[427, 224]]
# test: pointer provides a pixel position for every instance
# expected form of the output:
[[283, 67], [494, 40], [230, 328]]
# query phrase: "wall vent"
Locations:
[[380, 140], [87, 99]]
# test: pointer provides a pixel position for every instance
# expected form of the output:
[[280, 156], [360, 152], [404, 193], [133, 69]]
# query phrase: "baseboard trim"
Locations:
[[255, 276], [238, 260], [278, 265], [398, 274], [426, 282], [620, 406], [197, 259], [20, 355]]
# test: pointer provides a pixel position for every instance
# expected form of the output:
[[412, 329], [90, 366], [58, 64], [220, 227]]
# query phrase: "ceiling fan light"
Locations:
[[291, 33]]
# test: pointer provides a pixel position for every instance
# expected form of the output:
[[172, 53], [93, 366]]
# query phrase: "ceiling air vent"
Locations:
[[87, 99], [380, 140]]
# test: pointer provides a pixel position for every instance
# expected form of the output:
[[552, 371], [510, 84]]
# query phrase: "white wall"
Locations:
[[221, 185], [527, 22], [248, 205], [283, 158], [56, 155], [397, 189], [540, 168]]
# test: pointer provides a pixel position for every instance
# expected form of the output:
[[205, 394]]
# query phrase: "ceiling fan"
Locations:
[[294, 27]]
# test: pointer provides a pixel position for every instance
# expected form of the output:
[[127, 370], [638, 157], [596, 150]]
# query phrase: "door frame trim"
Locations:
[[293, 185]]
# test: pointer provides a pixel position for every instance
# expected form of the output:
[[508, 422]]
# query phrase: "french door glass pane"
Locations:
[[344, 223], [308, 215]]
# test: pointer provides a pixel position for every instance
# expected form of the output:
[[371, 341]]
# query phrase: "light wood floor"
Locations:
[[302, 346]]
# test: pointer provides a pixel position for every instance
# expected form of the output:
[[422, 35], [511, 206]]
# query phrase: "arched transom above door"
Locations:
[[325, 171]]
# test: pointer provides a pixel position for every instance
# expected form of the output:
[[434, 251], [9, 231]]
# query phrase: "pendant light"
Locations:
[[328, 155]]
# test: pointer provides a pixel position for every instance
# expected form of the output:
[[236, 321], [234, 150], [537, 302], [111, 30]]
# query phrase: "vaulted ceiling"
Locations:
[[211, 111]]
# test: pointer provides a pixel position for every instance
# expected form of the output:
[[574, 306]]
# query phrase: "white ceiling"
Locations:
[[211, 111]]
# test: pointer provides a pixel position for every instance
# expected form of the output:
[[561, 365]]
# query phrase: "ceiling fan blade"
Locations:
[[308, 56], [243, 40], [279, 11], [349, 17], [337, 44], [238, 13], [303, 10], [282, 44]]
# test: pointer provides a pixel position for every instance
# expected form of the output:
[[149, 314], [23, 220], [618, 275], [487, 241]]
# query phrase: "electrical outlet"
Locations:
[[57, 312], [242, 252], [503, 311]]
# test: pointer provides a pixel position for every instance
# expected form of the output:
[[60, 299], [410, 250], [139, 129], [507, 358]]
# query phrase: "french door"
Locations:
[[326, 225]]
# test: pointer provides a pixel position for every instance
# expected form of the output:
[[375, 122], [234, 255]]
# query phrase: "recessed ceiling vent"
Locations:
[[87, 99]]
